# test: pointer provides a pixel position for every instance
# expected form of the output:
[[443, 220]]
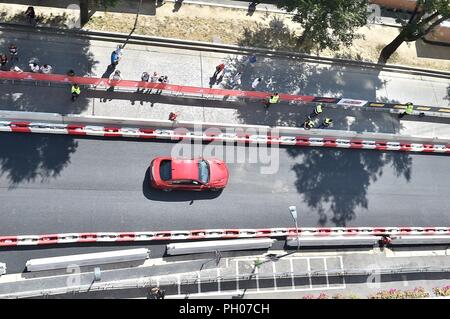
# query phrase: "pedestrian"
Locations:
[[13, 52], [75, 90], [409, 110], [116, 76], [219, 68], [385, 240], [157, 293], [15, 68], [114, 58], [326, 123], [71, 72], [236, 79], [34, 67], [119, 51], [255, 83], [308, 124], [273, 99], [31, 16], [173, 116], [145, 77], [154, 78], [3, 61], [162, 79], [46, 69], [317, 111]]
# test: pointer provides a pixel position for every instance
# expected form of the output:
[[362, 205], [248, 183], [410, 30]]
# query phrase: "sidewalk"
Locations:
[[195, 68], [246, 275]]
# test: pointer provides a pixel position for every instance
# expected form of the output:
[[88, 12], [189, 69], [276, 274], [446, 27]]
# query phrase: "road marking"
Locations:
[[218, 279], [292, 273], [240, 292], [179, 284], [444, 110], [422, 108], [376, 104], [274, 269], [326, 271], [237, 275], [309, 273], [257, 278], [199, 281], [399, 107], [342, 268]]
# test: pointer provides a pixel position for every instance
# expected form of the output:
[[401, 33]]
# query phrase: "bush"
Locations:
[[442, 291], [418, 292]]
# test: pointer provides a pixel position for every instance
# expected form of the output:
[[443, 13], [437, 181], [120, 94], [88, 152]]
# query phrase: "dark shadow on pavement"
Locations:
[[174, 196], [28, 157], [177, 5]]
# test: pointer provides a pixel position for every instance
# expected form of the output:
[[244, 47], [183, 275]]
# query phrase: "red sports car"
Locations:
[[196, 174]]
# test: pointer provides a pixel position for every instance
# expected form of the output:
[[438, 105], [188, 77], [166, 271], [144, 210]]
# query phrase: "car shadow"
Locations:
[[174, 196]]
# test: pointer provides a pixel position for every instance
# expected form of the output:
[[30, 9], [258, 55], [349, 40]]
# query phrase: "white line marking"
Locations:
[[257, 278], [199, 281], [274, 269], [226, 263], [157, 281], [237, 275], [233, 292], [179, 284], [342, 268], [218, 279], [292, 273], [326, 271], [309, 273]]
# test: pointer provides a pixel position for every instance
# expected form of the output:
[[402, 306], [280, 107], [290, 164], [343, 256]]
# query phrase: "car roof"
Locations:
[[185, 169]]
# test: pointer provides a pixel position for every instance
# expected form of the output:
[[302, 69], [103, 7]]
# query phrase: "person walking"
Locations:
[[409, 110], [236, 79], [14, 54], [308, 124], [34, 67], [163, 79], [31, 16], [219, 68], [3, 61], [154, 78], [317, 111], [255, 83], [75, 90], [116, 76], [145, 77], [114, 59], [326, 123], [173, 116], [46, 69], [273, 99]]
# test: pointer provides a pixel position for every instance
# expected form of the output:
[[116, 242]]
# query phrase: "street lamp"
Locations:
[[293, 211]]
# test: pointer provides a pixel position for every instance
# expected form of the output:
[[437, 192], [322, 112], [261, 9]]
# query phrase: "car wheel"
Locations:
[[216, 189], [167, 190]]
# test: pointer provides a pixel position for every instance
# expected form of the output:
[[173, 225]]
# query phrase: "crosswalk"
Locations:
[[246, 275]]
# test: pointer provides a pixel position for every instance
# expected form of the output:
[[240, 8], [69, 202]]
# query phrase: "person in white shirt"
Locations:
[[116, 76], [46, 69], [236, 79], [256, 83], [34, 67]]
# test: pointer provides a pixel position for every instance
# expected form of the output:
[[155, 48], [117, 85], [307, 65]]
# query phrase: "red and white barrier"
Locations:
[[101, 237], [178, 134]]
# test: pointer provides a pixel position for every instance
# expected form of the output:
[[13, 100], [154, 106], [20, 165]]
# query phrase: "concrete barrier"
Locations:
[[2, 269], [332, 241], [216, 245], [87, 259]]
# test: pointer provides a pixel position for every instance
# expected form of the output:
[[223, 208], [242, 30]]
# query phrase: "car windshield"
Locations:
[[203, 171], [165, 170]]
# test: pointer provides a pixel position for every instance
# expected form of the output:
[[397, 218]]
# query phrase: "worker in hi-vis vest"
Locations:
[[75, 91], [409, 110], [273, 99], [317, 111]]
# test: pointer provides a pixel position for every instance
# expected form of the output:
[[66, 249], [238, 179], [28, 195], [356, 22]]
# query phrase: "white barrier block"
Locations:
[[333, 241], [218, 245], [94, 130], [418, 240], [87, 259], [2, 269], [316, 141]]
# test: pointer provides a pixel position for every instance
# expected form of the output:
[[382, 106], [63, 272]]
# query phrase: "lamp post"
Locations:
[[293, 211]]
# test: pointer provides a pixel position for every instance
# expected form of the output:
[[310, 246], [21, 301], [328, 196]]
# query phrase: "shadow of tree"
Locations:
[[332, 182], [26, 157], [29, 157], [336, 181]]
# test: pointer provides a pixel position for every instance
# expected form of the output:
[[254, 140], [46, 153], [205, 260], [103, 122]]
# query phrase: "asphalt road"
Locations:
[[56, 184]]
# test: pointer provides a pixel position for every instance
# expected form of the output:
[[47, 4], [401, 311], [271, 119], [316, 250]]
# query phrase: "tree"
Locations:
[[84, 8], [327, 23], [426, 16]]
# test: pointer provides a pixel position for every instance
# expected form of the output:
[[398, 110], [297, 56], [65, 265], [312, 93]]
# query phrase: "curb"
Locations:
[[222, 48]]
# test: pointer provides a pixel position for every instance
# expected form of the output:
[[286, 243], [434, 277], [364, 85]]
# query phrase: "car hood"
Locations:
[[218, 172]]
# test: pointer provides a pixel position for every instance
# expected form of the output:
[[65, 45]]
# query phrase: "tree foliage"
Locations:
[[427, 15], [327, 23]]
